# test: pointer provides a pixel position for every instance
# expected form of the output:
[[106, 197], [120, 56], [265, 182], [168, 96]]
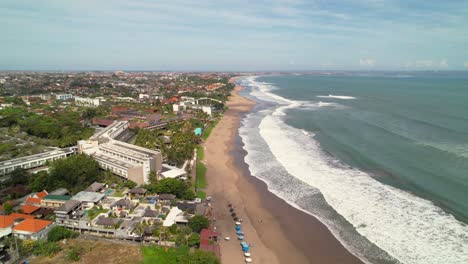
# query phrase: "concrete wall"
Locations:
[[136, 174]]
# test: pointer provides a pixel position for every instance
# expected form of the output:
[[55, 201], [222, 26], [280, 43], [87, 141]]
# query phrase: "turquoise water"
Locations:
[[409, 132]]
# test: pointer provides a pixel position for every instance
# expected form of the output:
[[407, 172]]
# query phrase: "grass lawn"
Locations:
[[207, 131], [200, 153], [201, 195], [161, 255], [201, 171], [118, 193], [93, 252], [93, 212]]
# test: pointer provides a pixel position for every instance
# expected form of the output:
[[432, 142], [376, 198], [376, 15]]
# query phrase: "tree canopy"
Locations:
[[198, 222], [74, 173]]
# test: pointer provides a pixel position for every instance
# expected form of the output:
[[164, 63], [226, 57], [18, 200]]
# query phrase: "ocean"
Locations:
[[381, 159]]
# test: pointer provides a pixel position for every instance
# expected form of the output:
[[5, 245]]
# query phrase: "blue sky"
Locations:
[[234, 35]]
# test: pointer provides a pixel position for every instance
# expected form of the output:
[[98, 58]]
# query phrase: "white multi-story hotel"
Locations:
[[123, 159], [63, 96], [34, 161], [89, 102]]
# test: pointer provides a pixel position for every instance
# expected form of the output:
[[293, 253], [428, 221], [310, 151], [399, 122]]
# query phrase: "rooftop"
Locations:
[[84, 196], [29, 209], [68, 206], [32, 225], [57, 197], [171, 217], [94, 187], [43, 155]]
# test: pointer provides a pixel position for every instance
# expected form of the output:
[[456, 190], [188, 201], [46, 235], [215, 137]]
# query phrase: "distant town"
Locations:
[[106, 156]]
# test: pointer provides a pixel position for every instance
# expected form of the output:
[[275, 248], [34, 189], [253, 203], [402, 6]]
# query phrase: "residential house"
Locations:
[[137, 192], [54, 201], [29, 208], [107, 222], [69, 210], [96, 187], [166, 197], [88, 199], [175, 216], [34, 229], [123, 205]]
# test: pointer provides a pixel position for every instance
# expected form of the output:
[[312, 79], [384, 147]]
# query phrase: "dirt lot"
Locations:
[[95, 252]]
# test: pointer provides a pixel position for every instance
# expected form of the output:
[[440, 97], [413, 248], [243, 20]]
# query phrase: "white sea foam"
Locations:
[[409, 228], [343, 97]]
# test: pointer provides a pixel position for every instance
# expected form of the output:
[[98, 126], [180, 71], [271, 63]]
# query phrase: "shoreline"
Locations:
[[280, 233]]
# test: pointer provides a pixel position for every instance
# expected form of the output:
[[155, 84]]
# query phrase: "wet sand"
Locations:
[[279, 232]]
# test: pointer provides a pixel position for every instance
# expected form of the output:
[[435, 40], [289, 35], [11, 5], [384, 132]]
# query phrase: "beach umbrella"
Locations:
[[233, 214], [248, 260], [235, 218], [231, 210], [247, 254], [230, 205]]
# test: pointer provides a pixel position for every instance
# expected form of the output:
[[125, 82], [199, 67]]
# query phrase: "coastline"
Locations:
[[279, 232]]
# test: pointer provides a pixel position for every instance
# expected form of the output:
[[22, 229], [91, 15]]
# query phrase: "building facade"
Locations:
[[88, 102], [63, 96], [34, 161], [123, 159]]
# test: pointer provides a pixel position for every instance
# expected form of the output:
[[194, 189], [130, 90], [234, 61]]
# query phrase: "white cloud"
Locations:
[[367, 62], [465, 64]]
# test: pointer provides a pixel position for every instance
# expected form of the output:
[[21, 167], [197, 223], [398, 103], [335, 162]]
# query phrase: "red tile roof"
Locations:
[[6, 221], [29, 208], [21, 216], [32, 225], [41, 194], [32, 200]]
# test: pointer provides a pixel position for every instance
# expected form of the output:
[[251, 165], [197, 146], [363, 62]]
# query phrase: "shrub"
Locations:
[[58, 233]]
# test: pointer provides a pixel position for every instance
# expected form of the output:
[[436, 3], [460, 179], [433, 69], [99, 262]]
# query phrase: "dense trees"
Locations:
[[198, 222], [74, 173], [61, 129], [177, 187], [176, 143]]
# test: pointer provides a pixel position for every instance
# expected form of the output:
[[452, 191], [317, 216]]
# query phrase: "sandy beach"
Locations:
[[279, 233]]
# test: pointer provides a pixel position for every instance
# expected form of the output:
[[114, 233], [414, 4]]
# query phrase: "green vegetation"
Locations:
[[74, 173], [95, 211], [61, 129], [181, 255], [58, 233], [73, 254], [200, 153], [201, 195], [173, 186], [43, 248], [198, 222], [207, 131], [176, 142], [201, 171]]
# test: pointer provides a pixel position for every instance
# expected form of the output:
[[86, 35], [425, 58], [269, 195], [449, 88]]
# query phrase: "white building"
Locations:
[[34, 229], [89, 102], [123, 159], [34, 161], [194, 103], [143, 96], [64, 96]]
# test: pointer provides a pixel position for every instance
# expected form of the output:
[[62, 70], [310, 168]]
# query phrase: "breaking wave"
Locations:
[[343, 97], [367, 213]]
